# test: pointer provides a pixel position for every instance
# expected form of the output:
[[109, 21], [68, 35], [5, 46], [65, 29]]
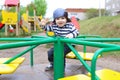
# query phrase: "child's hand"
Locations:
[[43, 22], [69, 36]]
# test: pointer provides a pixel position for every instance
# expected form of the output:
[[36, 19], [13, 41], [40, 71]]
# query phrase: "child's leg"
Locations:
[[50, 59], [50, 55], [66, 51]]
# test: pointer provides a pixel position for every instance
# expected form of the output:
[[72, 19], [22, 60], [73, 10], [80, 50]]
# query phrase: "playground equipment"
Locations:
[[37, 21], [33, 19], [27, 20], [11, 67], [104, 74], [84, 54], [24, 23], [11, 29], [58, 54], [1, 25], [11, 18]]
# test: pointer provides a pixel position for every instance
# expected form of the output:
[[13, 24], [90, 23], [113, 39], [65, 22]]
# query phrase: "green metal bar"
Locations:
[[18, 39], [79, 57], [20, 54], [84, 50], [48, 40], [88, 43], [28, 43], [19, 44], [94, 60], [58, 59], [93, 74], [58, 50], [36, 36], [31, 57], [84, 36], [101, 39]]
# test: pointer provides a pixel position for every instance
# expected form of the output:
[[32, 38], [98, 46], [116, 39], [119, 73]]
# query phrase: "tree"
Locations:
[[22, 10], [31, 8], [91, 13], [41, 7], [0, 16]]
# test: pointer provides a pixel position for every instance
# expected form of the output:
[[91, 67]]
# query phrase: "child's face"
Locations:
[[61, 21]]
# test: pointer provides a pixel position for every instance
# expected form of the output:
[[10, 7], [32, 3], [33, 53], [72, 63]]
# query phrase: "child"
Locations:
[[62, 27]]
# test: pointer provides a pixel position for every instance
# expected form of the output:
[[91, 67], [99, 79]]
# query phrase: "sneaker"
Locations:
[[49, 68]]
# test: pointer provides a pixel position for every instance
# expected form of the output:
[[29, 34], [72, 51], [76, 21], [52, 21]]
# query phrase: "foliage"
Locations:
[[31, 8], [91, 13], [22, 10], [0, 16], [12, 9], [41, 7]]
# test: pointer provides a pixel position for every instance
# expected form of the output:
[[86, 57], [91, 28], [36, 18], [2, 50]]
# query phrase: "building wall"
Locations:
[[112, 6], [77, 12], [79, 15]]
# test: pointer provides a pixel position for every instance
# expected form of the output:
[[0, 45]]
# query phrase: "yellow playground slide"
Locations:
[[37, 21], [25, 29], [25, 26]]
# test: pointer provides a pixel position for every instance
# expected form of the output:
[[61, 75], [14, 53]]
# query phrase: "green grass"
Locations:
[[104, 26], [108, 27]]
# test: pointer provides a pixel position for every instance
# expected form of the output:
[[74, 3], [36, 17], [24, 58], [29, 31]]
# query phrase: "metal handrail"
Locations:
[[58, 50]]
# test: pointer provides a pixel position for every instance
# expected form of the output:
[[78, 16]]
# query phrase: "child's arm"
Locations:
[[74, 33], [43, 22], [69, 36], [45, 25]]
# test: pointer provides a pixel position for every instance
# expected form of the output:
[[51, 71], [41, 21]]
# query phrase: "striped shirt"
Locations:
[[62, 31]]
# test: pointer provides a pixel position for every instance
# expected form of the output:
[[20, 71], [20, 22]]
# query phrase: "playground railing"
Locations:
[[87, 36], [93, 44], [58, 50], [97, 53], [16, 44]]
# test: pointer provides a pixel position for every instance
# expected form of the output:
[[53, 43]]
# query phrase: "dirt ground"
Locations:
[[40, 56]]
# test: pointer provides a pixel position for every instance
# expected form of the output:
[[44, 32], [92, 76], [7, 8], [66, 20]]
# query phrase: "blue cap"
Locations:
[[59, 12]]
